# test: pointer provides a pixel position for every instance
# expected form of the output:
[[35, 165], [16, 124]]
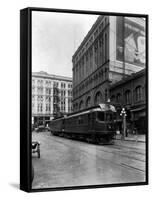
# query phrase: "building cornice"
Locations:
[[50, 76], [88, 35]]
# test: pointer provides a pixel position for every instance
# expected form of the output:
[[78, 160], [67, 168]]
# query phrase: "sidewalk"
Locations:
[[136, 138]]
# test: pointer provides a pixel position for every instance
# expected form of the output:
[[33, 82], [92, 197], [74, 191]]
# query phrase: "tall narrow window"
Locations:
[[138, 93], [128, 97], [106, 48], [98, 98]]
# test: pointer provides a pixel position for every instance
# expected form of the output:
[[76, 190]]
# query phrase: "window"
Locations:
[[108, 116], [106, 94], [69, 92], [81, 105], [89, 118], [118, 97], [80, 120], [128, 97], [38, 107], [138, 93], [113, 98], [40, 90], [96, 53], [98, 98], [41, 107], [100, 116], [62, 85], [106, 70], [88, 102], [55, 84]]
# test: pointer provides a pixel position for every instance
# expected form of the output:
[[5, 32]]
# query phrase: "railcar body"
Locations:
[[95, 124], [57, 126]]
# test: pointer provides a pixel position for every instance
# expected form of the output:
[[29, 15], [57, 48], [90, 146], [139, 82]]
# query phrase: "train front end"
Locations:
[[105, 127]]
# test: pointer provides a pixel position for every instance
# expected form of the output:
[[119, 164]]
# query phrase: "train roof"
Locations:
[[101, 107]]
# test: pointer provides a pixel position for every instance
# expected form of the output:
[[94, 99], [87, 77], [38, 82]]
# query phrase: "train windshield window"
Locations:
[[109, 116], [100, 116]]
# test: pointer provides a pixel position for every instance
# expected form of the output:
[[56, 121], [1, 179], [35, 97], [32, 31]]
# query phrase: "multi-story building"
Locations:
[[114, 48], [130, 93], [51, 96]]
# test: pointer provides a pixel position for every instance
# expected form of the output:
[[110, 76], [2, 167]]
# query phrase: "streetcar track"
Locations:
[[126, 147], [117, 147], [128, 166], [99, 149], [123, 154], [118, 153], [125, 151]]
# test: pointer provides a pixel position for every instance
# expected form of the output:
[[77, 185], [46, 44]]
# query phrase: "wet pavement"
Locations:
[[131, 137], [66, 162]]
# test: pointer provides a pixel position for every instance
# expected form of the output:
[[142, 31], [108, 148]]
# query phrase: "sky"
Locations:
[[55, 38]]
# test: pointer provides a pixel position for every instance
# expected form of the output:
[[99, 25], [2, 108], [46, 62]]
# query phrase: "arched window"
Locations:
[[106, 94], [138, 93], [128, 97], [88, 102], [98, 98], [81, 105], [118, 98], [112, 98], [106, 70], [76, 106]]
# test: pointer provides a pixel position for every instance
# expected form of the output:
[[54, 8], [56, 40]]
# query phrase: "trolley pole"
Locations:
[[123, 114]]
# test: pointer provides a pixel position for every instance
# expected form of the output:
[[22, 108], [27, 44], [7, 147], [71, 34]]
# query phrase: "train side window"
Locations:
[[100, 116], [108, 116], [80, 120], [89, 117]]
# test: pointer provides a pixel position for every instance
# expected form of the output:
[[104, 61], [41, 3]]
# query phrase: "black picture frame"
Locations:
[[26, 92]]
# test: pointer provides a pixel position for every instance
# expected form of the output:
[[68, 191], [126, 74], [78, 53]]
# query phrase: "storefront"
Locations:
[[139, 119]]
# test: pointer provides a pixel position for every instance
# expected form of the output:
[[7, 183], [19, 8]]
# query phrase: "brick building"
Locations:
[[130, 93]]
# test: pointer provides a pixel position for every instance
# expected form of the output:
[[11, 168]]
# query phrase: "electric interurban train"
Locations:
[[95, 124]]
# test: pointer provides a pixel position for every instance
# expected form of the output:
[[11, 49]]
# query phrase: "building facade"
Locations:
[[130, 93], [51, 96], [113, 49]]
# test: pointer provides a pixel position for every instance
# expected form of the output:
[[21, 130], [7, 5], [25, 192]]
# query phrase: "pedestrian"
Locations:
[[134, 131]]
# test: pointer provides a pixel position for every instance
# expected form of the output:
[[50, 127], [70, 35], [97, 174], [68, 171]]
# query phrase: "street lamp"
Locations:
[[108, 101], [123, 114]]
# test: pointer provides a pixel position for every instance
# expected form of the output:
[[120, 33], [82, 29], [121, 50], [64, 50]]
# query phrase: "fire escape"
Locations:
[[56, 101]]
